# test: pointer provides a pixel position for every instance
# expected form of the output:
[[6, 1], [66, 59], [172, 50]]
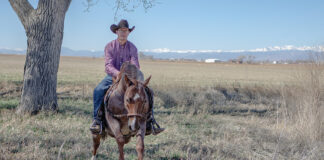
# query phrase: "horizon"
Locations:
[[276, 53], [319, 48]]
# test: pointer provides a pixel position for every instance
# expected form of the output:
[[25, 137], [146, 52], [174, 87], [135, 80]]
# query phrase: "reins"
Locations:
[[144, 115]]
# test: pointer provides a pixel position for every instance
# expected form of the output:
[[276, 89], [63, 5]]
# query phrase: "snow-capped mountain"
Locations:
[[277, 53], [268, 49]]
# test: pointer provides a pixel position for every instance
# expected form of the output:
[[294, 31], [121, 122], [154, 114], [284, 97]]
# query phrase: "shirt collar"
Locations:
[[120, 46]]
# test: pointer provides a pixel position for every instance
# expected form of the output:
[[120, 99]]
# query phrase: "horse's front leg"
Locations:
[[121, 149], [140, 141], [96, 143], [115, 128]]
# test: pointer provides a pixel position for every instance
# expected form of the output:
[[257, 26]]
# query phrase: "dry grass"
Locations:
[[303, 107], [211, 111], [91, 70]]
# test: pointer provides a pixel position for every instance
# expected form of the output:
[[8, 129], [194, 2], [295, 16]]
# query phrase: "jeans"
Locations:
[[99, 93]]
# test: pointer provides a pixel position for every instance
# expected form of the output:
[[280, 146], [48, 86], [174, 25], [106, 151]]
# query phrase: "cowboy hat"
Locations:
[[122, 24]]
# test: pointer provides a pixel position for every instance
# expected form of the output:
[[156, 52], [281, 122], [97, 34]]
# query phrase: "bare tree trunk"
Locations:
[[44, 30]]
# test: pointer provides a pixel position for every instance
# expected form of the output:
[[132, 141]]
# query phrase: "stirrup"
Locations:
[[100, 127], [154, 129], [155, 123]]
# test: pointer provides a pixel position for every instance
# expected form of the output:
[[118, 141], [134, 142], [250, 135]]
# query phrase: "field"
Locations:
[[210, 111]]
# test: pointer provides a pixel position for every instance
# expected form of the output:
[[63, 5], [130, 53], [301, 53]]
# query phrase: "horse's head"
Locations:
[[135, 101]]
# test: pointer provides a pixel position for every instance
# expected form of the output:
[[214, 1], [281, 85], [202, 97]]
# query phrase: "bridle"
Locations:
[[141, 116]]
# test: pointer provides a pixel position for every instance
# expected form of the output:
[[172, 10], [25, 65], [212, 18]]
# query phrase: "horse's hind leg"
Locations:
[[96, 143]]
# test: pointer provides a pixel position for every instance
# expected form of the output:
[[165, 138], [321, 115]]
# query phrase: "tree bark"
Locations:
[[44, 30]]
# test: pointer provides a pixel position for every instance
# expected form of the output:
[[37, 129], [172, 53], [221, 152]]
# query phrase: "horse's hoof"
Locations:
[[93, 158]]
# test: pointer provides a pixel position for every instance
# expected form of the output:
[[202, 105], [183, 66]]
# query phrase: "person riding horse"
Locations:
[[117, 52]]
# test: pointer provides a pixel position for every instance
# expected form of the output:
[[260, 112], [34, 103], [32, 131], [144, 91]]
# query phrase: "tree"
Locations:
[[141, 55], [250, 59], [240, 59], [44, 30]]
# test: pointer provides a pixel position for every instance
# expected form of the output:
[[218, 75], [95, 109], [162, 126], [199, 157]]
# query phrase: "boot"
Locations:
[[156, 129], [96, 127], [152, 126]]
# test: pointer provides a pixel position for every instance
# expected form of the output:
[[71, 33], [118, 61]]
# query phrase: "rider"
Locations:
[[116, 52]]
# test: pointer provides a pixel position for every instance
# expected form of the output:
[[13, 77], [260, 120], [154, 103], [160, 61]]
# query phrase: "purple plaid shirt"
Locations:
[[116, 54]]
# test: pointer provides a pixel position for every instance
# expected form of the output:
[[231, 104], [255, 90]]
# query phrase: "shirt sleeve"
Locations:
[[109, 61], [134, 58]]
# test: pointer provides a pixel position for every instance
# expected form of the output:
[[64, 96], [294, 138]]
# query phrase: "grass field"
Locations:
[[91, 70], [210, 111]]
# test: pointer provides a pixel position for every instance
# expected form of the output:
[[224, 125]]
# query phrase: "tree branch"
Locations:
[[66, 4], [89, 4], [130, 6], [23, 9], [123, 5]]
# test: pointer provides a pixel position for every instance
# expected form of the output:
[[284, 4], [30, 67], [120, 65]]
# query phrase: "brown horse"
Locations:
[[126, 110]]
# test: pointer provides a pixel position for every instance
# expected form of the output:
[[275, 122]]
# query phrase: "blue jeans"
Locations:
[[99, 93]]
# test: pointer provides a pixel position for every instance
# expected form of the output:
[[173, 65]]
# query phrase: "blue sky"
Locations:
[[186, 24]]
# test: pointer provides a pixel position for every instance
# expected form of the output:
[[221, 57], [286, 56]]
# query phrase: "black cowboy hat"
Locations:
[[122, 24]]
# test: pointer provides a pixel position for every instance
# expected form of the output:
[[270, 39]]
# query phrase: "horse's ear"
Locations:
[[147, 80], [130, 81], [127, 81], [134, 81]]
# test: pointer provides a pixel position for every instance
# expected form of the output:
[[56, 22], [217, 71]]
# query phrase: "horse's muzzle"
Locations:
[[132, 124]]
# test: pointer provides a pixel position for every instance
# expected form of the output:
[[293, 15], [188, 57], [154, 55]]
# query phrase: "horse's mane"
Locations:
[[131, 71]]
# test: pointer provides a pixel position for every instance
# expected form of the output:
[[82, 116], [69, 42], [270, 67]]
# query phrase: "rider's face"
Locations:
[[122, 33]]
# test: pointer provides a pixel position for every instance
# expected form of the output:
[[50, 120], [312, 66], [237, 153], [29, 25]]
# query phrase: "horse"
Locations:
[[126, 110]]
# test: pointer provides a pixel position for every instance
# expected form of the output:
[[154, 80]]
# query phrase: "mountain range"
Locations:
[[276, 53]]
